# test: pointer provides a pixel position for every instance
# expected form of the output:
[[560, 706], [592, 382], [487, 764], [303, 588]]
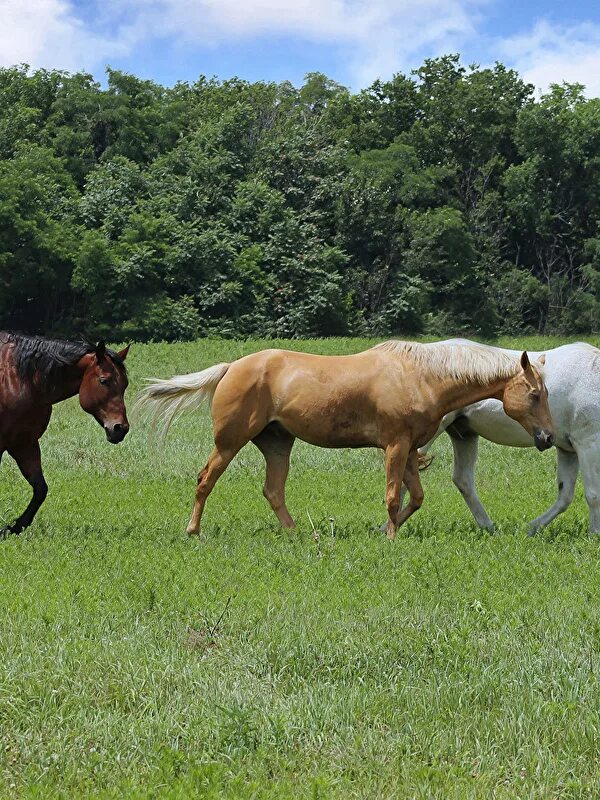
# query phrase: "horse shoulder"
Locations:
[[572, 377], [574, 393]]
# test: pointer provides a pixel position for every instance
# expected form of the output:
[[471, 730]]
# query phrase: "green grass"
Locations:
[[259, 663]]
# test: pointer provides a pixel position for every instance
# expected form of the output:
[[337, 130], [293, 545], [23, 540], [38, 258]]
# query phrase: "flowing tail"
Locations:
[[168, 399]]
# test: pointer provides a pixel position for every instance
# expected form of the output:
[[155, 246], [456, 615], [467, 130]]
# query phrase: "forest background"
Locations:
[[451, 200]]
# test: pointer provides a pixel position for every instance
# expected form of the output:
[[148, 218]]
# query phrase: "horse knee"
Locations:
[[592, 495], [40, 488], [563, 502], [202, 474], [273, 496], [461, 485], [201, 485], [416, 499]]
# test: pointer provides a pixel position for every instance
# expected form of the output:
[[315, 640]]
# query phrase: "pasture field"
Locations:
[[322, 663]]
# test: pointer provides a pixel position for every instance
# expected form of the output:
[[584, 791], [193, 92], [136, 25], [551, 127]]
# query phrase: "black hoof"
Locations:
[[10, 530]]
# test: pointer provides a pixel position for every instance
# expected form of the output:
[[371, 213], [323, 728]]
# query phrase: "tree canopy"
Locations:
[[448, 201]]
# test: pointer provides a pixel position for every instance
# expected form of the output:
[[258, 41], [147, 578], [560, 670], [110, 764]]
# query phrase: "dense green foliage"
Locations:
[[447, 201], [449, 664]]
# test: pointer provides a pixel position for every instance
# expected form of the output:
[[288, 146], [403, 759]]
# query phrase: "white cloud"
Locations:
[[48, 33], [375, 37], [549, 54], [372, 38]]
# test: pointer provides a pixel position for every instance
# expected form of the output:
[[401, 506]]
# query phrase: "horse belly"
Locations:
[[338, 427]]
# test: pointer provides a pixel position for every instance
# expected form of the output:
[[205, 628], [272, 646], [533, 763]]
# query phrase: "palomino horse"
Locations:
[[392, 396], [36, 373], [572, 376]]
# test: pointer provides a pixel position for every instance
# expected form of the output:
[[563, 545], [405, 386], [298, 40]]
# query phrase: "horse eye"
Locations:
[[104, 381]]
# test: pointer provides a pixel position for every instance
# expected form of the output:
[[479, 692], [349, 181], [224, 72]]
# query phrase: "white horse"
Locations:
[[572, 377]]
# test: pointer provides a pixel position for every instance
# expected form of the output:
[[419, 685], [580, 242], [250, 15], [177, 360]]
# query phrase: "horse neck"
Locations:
[[65, 384], [456, 393]]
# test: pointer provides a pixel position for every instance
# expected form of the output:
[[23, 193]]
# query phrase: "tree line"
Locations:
[[447, 201]]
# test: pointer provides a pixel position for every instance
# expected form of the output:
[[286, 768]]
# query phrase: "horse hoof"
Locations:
[[8, 531], [192, 532]]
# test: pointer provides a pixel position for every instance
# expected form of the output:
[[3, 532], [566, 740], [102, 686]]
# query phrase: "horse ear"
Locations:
[[542, 359], [100, 350], [525, 360], [123, 353]]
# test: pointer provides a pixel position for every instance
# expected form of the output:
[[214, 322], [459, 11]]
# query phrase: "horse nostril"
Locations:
[[117, 432], [548, 439]]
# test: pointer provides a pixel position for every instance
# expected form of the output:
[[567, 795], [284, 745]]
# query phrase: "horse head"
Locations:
[[102, 390], [525, 399]]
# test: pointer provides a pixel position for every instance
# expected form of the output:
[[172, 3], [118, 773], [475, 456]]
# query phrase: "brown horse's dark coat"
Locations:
[[36, 373]]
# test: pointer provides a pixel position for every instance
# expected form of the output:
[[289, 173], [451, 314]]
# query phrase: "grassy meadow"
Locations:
[[322, 663]]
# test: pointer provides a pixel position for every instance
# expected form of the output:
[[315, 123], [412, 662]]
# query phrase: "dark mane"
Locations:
[[48, 357]]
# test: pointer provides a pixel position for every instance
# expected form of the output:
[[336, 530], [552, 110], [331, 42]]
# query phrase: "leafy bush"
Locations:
[[446, 202], [165, 320]]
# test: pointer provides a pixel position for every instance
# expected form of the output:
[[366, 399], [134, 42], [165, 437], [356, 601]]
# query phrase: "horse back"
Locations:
[[330, 401]]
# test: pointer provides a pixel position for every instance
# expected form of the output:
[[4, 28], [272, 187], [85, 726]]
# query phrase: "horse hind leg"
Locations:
[[463, 476], [275, 443], [236, 420], [216, 465]]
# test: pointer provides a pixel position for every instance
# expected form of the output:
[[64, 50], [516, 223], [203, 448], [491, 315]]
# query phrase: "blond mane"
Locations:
[[464, 362]]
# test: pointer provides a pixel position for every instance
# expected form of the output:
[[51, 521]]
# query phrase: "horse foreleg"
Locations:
[[567, 468], [396, 456], [589, 462], [448, 420], [29, 461], [412, 481]]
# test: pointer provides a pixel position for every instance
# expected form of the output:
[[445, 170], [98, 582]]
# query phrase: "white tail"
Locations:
[[169, 398]]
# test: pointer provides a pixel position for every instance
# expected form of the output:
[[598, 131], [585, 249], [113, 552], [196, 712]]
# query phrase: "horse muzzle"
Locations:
[[116, 433], [543, 440]]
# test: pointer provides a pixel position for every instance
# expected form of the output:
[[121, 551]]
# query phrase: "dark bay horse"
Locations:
[[36, 373], [392, 396]]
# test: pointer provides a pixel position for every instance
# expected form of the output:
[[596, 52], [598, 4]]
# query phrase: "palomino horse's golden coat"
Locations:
[[392, 396]]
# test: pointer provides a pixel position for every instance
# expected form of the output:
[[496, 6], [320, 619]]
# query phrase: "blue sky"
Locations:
[[351, 41]]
